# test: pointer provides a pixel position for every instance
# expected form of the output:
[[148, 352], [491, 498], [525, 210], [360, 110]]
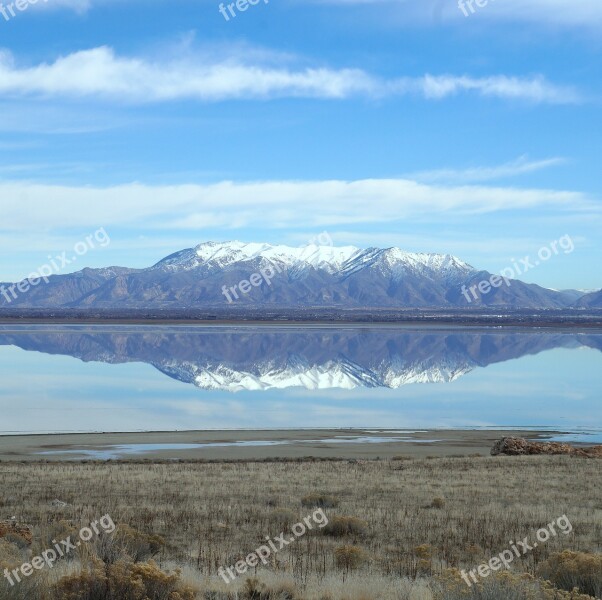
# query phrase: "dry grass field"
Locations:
[[398, 529]]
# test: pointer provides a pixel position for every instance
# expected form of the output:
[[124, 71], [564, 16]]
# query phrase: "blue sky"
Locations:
[[386, 123]]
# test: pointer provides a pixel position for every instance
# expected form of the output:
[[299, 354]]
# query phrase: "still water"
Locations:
[[138, 378]]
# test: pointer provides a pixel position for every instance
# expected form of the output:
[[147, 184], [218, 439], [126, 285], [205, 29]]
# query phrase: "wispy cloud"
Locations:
[[101, 73], [80, 6], [450, 242], [560, 13], [534, 89], [229, 205], [520, 166], [557, 12]]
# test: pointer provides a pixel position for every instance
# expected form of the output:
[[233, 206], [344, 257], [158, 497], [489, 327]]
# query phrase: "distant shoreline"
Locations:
[[490, 317], [261, 445]]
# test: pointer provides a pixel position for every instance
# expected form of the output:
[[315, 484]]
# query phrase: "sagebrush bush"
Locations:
[[502, 585], [349, 557], [438, 503], [319, 501], [341, 526], [10, 552], [59, 529], [122, 581], [568, 570], [254, 589], [139, 546], [282, 518]]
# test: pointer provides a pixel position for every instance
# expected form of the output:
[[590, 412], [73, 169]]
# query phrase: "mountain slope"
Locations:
[[315, 276], [591, 300]]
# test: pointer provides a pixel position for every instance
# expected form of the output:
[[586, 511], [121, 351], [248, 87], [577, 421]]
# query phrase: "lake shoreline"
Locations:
[[442, 323], [257, 445], [486, 316]]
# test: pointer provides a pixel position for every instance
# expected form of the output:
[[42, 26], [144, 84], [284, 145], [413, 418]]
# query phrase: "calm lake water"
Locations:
[[131, 378]]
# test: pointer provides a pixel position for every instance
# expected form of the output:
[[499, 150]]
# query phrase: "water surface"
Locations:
[[163, 378]]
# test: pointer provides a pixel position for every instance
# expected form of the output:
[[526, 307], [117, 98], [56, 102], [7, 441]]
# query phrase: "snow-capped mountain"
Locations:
[[222, 255], [307, 276], [344, 260], [396, 263]]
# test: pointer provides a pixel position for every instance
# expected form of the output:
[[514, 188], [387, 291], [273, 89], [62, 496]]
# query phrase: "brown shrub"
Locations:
[[424, 551], [12, 528], [282, 518], [349, 557], [16, 540], [256, 590], [340, 526], [122, 581], [438, 503], [10, 552], [139, 546], [319, 501], [568, 570], [503, 585]]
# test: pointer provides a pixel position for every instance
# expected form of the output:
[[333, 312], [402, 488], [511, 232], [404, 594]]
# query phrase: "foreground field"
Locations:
[[396, 528]]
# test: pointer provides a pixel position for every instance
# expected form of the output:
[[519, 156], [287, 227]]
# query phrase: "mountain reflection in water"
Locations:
[[314, 358]]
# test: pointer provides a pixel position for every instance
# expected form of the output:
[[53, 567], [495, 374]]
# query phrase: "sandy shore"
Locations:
[[252, 445]]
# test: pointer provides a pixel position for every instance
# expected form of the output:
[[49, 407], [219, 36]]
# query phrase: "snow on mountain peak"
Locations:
[[423, 259], [334, 259], [328, 257]]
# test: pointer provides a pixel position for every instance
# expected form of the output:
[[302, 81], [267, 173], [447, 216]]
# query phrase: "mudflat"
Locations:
[[257, 444]]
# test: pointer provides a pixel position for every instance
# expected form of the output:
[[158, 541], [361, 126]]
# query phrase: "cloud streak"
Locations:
[[101, 73], [229, 205], [577, 13], [558, 13], [520, 166]]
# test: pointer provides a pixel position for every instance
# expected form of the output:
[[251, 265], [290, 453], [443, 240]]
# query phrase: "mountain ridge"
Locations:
[[311, 275]]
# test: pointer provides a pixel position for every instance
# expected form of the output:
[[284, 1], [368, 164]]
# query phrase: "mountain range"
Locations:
[[225, 273]]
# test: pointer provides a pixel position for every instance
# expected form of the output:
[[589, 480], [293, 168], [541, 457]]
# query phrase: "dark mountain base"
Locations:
[[464, 317]]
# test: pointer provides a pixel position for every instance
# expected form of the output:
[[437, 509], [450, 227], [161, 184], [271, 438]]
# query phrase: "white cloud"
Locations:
[[269, 204], [100, 72], [489, 247], [520, 166], [535, 89]]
